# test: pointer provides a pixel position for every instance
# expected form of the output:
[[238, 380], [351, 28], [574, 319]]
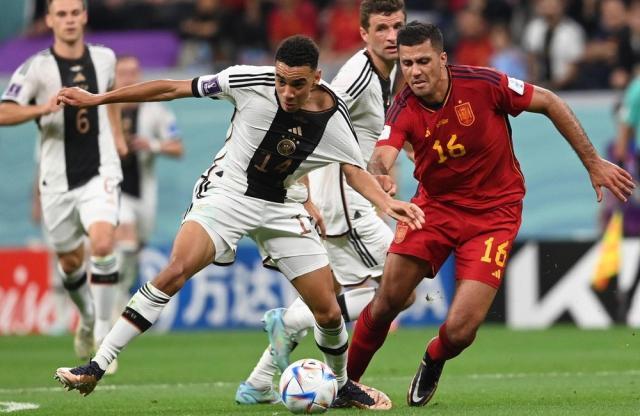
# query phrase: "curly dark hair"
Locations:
[[298, 50]]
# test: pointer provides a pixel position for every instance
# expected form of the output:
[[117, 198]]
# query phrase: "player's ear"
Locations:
[[363, 34], [443, 58], [317, 77], [48, 19]]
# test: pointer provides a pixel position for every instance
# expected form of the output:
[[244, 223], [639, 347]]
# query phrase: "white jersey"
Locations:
[[367, 95], [76, 144], [268, 149], [155, 122]]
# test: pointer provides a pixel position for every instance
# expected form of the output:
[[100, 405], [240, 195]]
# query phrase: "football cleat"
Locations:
[[424, 383], [83, 378], [354, 394], [282, 342], [83, 343], [247, 394]]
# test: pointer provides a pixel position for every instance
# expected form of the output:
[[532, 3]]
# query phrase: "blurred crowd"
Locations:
[[562, 44]]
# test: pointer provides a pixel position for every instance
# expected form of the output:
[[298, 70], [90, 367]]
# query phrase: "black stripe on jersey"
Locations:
[[364, 85], [385, 83], [399, 103], [231, 76], [477, 78], [131, 177], [342, 109], [253, 84], [81, 129], [362, 78], [271, 78], [290, 139]]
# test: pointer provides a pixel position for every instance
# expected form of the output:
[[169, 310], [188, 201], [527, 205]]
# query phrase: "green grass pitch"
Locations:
[[560, 371]]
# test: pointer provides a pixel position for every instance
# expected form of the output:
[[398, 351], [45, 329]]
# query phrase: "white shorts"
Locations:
[[360, 254], [134, 211], [279, 230], [67, 216]]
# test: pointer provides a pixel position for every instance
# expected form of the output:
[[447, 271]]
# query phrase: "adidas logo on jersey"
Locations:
[[296, 130], [79, 78]]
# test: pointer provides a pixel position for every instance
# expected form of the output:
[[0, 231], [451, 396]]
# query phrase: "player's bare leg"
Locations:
[[192, 251], [401, 276], [70, 267], [316, 289], [468, 310]]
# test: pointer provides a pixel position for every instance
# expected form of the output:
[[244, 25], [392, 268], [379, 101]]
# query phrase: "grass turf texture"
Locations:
[[561, 371]]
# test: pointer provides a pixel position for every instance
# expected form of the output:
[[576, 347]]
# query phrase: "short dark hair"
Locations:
[[84, 4], [386, 7], [298, 50], [415, 33]]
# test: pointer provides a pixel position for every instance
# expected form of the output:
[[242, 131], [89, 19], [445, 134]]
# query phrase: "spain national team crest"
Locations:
[[465, 114], [401, 232]]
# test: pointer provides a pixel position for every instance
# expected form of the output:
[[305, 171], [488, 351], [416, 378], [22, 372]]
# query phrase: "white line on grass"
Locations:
[[8, 407], [493, 376]]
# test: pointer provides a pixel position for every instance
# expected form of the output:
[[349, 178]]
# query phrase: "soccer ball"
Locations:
[[308, 386]]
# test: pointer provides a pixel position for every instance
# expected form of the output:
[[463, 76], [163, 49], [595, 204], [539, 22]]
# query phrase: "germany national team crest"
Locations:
[[465, 114], [286, 147], [401, 232]]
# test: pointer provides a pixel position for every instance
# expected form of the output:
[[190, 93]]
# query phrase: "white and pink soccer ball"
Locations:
[[308, 386]]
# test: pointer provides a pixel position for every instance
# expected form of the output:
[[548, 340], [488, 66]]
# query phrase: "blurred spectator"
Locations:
[[205, 37], [251, 35], [474, 44], [340, 34], [600, 57], [629, 47], [292, 17], [554, 43], [507, 57]]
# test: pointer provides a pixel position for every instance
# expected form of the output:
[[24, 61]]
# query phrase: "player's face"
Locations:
[[127, 72], [423, 68], [382, 34], [67, 19], [294, 84]]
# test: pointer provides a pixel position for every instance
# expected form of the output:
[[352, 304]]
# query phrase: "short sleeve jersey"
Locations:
[[268, 149], [463, 148], [75, 143]]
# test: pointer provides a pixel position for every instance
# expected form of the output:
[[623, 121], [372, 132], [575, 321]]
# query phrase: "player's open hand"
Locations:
[[617, 180], [387, 183], [406, 212], [77, 97]]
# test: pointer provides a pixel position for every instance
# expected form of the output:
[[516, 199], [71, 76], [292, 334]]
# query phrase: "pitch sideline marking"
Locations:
[[494, 376], [8, 407]]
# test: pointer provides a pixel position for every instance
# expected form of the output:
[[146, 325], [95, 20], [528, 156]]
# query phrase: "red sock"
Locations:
[[367, 338], [441, 348]]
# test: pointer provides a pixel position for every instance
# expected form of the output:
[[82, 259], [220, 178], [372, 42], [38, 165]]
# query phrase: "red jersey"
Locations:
[[463, 149]]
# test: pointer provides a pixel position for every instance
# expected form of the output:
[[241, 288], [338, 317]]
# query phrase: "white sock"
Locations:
[[128, 260], [76, 285], [298, 317], [262, 375], [333, 343], [143, 310], [104, 280], [352, 302]]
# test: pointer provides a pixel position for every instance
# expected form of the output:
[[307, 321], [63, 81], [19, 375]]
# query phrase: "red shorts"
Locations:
[[480, 240]]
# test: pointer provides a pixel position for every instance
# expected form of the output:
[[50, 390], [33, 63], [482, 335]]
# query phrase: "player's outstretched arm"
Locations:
[[365, 184], [158, 90], [601, 172], [380, 165], [14, 113]]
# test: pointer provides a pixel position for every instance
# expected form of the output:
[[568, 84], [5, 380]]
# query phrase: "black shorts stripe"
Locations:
[[76, 284], [104, 279], [364, 247], [136, 319], [364, 255]]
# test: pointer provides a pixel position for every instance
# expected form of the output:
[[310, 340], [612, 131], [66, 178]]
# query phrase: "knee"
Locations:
[[462, 333], [385, 308], [102, 247], [70, 264], [172, 278], [410, 300], [329, 317]]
